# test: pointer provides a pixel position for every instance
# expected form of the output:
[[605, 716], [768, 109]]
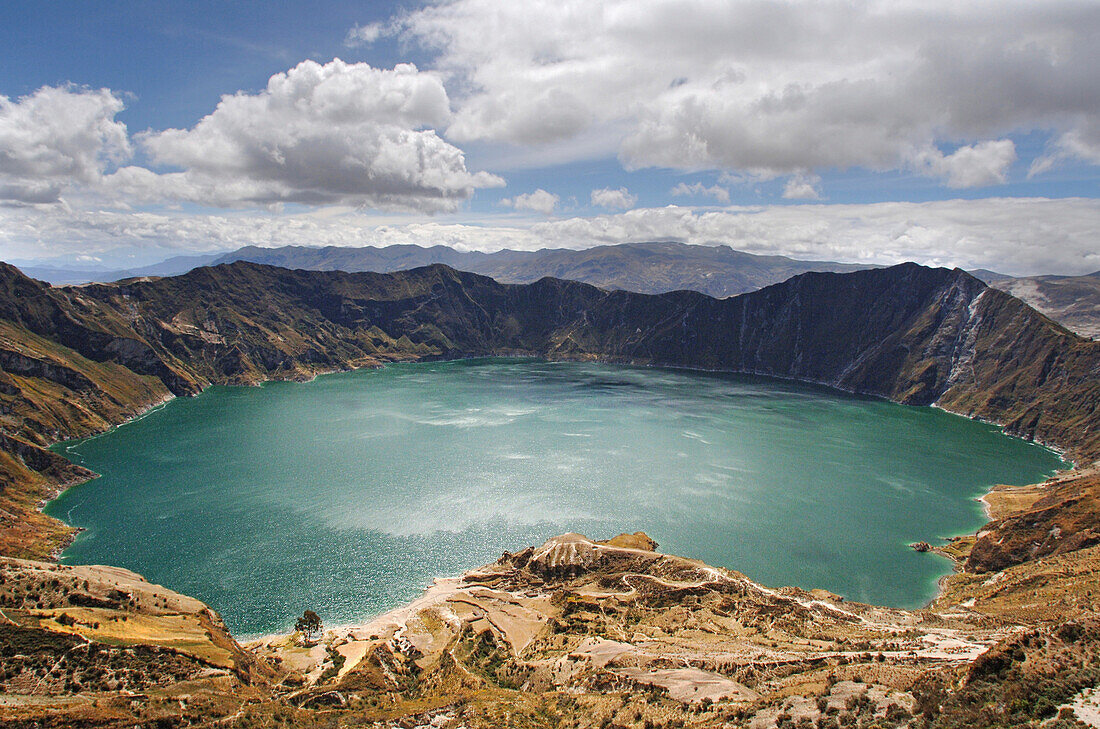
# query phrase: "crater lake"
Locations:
[[348, 494]]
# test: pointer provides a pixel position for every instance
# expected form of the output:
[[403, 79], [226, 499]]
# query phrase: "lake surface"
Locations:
[[348, 494]]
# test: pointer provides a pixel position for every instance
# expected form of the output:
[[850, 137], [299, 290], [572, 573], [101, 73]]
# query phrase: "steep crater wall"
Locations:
[[102, 353]]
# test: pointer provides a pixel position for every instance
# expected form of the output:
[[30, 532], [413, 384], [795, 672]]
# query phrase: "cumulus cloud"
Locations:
[[540, 201], [774, 88], [720, 194], [975, 165], [620, 199], [58, 137], [802, 187], [336, 133], [1011, 235]]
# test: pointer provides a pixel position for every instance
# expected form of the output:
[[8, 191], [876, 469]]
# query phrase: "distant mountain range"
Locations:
[[649, 268], [1073, 301]]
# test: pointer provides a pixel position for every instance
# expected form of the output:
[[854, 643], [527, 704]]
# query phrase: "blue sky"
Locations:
[[176, 59], [867, 131]]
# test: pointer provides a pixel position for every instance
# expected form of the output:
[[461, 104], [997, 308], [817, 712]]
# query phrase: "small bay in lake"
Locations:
[[348, 494]]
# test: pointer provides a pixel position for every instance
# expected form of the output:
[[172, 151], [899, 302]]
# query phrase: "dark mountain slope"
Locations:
[[77, 359], [869, 332], [655, 267], [1042, 382]]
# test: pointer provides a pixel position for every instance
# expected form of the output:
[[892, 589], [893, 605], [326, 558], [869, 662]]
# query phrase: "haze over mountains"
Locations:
[[648, 268]]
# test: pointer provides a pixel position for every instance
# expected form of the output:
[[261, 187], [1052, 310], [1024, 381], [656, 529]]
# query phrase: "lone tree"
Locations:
[[309, 624]]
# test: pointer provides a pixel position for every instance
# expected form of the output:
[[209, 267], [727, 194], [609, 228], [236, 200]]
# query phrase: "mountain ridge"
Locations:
[[654, 267]]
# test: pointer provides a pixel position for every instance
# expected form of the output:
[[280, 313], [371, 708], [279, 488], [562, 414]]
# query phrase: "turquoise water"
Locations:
[[348, 494]]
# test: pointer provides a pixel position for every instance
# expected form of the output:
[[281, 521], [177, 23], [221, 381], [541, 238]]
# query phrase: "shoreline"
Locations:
[[954, 562], [55, 491], [1058, 450], [1039, 489], [52, 494]]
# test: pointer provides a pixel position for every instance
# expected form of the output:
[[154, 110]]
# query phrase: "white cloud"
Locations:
[[540, 201], [802, 187], [58, 137], [337, 133], [327, 134], [620, 199], [1080, 143], [1011, 235], [720, 194], [975, 165], [772, 87], [364, 35]]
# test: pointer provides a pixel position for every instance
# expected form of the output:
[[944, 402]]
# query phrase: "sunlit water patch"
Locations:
[[348, 494]]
